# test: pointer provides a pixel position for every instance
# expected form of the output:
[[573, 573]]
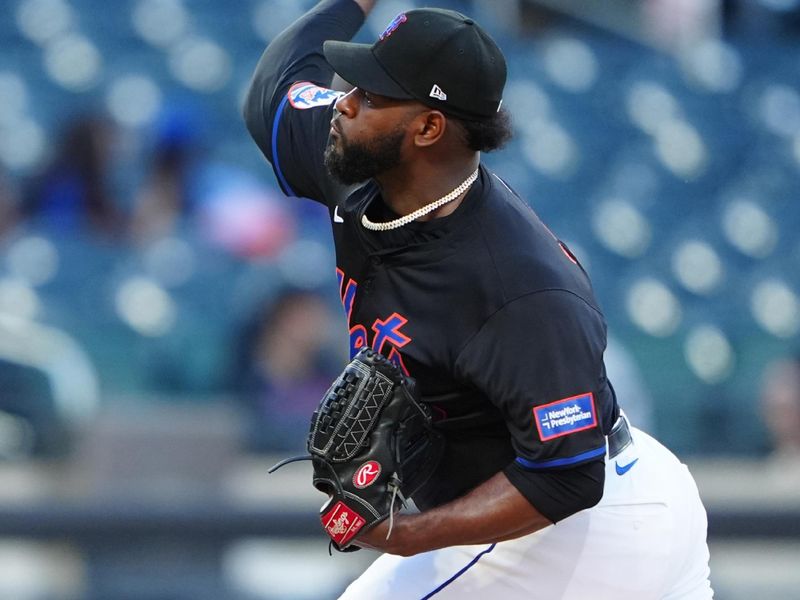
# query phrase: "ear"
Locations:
[[431, 126]]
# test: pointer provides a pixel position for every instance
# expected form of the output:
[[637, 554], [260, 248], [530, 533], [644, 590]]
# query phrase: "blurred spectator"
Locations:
[[762, 17], [29, 420], [9, 205], [286, 368], [242, 216], [676, 24], [780, 404], [165, 198], [73, 194], [221, 203]]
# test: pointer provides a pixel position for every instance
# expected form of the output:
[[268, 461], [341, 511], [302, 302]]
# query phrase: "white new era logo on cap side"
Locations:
[[436, 92]]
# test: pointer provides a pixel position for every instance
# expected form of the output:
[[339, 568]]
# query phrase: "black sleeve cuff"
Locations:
[[558, 494]]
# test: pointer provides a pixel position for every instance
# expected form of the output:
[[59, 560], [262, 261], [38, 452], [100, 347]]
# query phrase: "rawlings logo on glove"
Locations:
[[371, 444], [366, 474]]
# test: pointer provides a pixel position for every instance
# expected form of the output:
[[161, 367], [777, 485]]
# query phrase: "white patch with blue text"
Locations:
[[565, 416], [308, 95]]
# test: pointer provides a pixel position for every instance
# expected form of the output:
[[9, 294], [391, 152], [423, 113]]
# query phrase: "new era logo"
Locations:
[[438, 93]]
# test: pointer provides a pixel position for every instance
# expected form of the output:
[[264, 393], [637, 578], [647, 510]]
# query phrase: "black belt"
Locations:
[[619, 438]]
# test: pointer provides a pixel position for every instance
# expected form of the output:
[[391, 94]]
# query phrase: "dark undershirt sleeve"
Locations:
[[288, 106], [539, 359]]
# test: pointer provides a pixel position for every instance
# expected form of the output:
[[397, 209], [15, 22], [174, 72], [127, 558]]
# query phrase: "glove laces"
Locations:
[[394, 484]]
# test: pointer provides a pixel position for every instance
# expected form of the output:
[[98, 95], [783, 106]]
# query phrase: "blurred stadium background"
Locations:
[[167, 320]]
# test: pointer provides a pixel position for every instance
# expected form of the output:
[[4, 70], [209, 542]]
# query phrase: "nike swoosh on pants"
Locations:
[[621, 470]]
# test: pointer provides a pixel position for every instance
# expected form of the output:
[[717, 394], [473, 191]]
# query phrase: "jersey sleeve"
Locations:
[[288, 106], [539, 359]]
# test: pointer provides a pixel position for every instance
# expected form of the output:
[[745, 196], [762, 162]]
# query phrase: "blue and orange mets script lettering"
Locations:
[[387, 336]]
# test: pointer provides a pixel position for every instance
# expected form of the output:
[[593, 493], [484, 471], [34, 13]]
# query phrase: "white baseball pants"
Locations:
[[645, 540]]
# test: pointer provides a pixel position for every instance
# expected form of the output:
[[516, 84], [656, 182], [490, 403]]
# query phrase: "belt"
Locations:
[[619, 438]]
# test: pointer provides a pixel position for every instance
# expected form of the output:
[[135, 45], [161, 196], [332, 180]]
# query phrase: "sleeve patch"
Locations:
[[565, 416], [305, 95]]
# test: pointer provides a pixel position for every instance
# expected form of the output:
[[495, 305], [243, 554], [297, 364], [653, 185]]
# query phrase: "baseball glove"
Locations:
[[372, 446]]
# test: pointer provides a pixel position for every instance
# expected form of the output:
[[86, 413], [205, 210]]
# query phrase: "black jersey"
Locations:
[[485, 308]]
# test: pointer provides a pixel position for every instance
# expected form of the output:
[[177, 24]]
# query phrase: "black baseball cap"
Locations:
[[438, 57]]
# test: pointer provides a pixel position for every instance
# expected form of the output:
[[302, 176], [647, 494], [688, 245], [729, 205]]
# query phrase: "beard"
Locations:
[[354, 162]]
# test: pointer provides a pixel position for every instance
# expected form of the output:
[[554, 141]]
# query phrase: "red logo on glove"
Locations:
[[366, 474], [342, 523]]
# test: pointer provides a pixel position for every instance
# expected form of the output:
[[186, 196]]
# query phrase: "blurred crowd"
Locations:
[[144, 245], [77, 191], [164, 308], [780, 410], [280, 354], [283, 353]]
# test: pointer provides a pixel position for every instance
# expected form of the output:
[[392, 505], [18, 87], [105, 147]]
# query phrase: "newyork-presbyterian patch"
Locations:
[[565, 416]]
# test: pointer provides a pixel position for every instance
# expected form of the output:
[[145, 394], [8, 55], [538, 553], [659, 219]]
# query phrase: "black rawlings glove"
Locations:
[[372, 446]]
